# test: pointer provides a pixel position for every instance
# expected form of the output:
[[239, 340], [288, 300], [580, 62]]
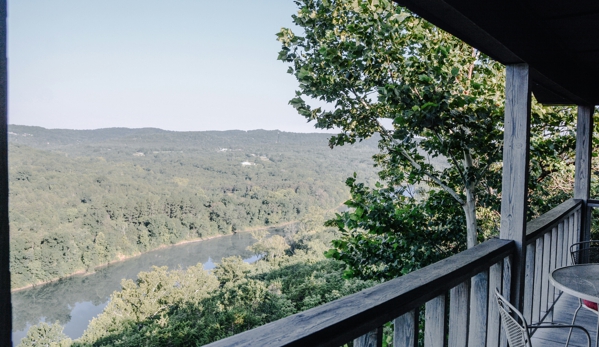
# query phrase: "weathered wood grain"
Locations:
[[538, 287], [373, 338], [552, 265], [582, 224], [562, 251], [564, 310], [529, 280], [405, 330], [458, 314], [506, 290], [345, 319], [568, 239], [479, 298], [434, 322], [576, 224], [572, 238], [539, 226], [546, 266], [493, 321], [516, 148], [584, 134]]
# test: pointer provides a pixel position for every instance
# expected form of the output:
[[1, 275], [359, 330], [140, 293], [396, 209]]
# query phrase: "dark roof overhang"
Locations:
[[559, 39]]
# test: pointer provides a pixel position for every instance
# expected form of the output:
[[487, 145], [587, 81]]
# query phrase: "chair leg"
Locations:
[[597, 333], [574, 320]]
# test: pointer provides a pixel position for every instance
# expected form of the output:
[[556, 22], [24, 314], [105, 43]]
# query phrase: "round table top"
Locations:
[[581, 281]]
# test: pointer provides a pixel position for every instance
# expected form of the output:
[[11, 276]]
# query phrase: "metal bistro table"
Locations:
[[581, 281]]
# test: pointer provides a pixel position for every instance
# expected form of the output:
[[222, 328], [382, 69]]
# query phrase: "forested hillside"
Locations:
[[193, 307], [79, 199]]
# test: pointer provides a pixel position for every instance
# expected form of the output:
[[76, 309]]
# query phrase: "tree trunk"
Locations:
[[470, 205], [471, 224]]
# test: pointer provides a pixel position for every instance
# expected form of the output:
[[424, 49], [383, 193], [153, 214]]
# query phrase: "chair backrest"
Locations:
[[585, 252], [513, 323]]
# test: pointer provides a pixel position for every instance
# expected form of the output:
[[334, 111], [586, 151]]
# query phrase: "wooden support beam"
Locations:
[[516, 142], [5, 306], [584, 140], [582, 178]]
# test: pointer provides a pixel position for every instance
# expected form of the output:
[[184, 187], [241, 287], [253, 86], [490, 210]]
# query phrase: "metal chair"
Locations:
[[516, 328], [586, 252]]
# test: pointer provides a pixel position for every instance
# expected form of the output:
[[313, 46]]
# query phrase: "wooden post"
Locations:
[[516, 142], [582, 178], [5, 306]]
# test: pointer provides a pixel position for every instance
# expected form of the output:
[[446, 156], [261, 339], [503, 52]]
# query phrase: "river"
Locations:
[[75, 300]]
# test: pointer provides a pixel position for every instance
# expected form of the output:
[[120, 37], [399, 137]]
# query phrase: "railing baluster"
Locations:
[[576, 225], [529, 278], [546, 267], [552, 266], [434, 322], [493, 325], [374, 338], [562, 254], [569, 233], [506, 290], [405, 330], [567, 242], [479, 298], [458, 314], [537, 286], [573, 222]]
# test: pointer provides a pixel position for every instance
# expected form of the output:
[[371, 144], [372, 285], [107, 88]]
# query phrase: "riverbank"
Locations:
[[122, 258]]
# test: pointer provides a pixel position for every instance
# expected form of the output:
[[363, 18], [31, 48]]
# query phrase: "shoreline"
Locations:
[[121, 258]]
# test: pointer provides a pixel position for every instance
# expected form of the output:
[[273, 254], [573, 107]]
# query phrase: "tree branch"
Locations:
[[384, 133], [486, 168], [455, 162], [417, 166]]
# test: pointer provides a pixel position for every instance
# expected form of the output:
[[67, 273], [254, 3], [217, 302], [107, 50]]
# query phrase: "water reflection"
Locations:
[[74, 301]]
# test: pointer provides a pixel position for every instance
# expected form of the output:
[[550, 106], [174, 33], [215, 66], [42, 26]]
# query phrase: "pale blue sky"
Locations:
[[170, 64]]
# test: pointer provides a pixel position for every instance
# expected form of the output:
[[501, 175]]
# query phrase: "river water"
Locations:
[[75, 300]]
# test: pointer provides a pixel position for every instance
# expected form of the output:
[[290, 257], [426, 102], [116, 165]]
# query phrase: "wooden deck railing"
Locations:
[[548, 241], [398, 300], [456, 293]]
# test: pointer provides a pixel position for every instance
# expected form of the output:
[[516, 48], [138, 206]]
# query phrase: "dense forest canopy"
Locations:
[[81, 198]]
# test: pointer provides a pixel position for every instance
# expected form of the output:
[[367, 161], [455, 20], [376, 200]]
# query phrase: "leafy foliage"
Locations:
[[379, 69], [45, 335], [193, 307], [387, 235]]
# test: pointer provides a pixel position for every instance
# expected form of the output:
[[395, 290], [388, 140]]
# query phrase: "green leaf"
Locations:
[[428, 105]]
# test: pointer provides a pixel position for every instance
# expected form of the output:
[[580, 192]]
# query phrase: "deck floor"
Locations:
[[564, 311]]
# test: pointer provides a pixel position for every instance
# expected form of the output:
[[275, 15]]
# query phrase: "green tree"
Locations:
[[231, 270], [270, 247], [437, 105], [374, 60], [151, 296], [46, 335]]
